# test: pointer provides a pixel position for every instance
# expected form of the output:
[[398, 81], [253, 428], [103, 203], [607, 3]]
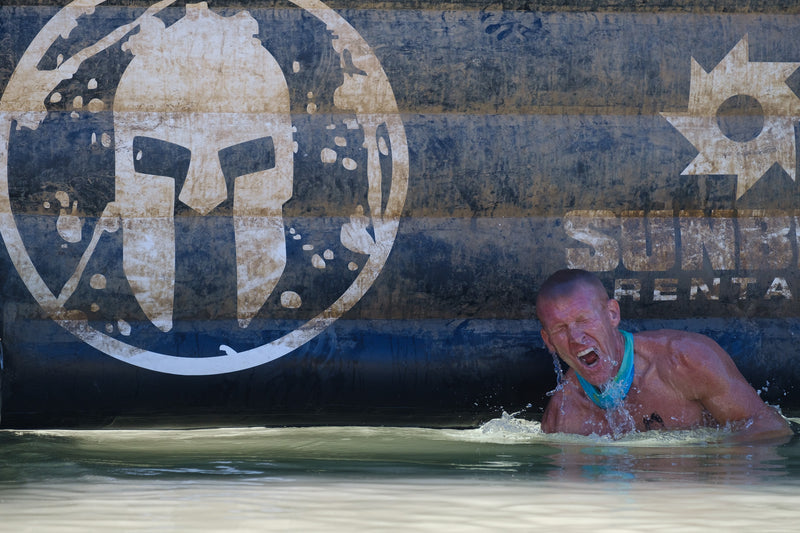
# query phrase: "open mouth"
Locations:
[[588, 356]]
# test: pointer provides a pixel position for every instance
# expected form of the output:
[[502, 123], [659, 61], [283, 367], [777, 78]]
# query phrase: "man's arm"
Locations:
[[705, 372]]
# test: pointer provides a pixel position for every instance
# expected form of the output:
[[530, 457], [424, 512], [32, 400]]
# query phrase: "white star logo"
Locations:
[[735, 75]]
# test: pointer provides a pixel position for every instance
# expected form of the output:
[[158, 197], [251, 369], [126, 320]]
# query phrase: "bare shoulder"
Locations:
[[680, 348], [701, 370], [691, 363]]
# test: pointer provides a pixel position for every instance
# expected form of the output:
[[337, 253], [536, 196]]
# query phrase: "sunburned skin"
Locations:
[[681, 380], [652, 392]]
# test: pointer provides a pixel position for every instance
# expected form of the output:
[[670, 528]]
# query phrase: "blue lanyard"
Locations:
[[615, 390]]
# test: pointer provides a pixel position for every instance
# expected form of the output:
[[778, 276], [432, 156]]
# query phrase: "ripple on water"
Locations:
[[506, 474]]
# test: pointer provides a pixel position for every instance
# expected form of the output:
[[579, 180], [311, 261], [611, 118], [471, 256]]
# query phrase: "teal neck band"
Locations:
[[615, 391]]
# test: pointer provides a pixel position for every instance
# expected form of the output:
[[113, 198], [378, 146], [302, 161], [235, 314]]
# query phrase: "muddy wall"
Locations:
[[283, 212]]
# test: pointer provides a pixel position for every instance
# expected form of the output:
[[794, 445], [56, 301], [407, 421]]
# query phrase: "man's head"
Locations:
[[579, 323]]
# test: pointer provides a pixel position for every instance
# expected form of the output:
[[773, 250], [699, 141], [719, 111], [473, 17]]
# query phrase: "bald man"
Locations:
[[618, 382]]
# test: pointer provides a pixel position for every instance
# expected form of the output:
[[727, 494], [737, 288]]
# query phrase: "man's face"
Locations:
[[581, 327]]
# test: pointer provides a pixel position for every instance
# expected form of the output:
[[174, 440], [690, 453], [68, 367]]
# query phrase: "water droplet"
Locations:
[[559, 375]]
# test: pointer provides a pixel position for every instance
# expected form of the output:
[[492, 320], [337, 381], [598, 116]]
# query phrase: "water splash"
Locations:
[[559, 375], [507, 428], [620, 421]]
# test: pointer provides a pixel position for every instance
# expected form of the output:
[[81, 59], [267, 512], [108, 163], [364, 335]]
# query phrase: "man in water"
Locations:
[[618, 382]]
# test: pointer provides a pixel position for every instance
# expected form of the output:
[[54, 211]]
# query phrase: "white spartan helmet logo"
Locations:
[[206, 85]]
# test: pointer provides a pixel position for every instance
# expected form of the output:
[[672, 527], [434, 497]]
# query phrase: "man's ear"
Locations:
[[546, 339], [613, 311]]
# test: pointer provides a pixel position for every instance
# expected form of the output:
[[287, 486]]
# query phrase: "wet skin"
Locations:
[[681, 381]]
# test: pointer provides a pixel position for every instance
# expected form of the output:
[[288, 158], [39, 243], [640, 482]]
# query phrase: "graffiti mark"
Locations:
[[751, 242], [497, 23], [741, 119], [748, 156], [69, 225], [224, 92], [28, 87], [202, 128]]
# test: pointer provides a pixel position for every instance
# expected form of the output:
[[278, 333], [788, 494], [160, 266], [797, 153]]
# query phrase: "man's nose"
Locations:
[[205, 187], [576, 334]]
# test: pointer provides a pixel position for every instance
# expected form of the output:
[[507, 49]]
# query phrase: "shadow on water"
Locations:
[[504, 448]]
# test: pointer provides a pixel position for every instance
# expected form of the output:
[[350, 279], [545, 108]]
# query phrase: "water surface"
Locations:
[[506, 475]]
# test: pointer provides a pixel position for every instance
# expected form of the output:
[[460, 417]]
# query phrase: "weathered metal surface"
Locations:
[[304, 213]]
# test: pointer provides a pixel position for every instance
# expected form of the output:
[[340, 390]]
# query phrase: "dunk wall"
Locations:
[[297, 212]]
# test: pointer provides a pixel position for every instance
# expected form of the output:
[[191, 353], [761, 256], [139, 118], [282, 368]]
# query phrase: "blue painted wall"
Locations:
[[538, 136]]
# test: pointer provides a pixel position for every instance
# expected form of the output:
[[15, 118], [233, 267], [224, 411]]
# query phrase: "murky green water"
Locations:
[[506, 475]]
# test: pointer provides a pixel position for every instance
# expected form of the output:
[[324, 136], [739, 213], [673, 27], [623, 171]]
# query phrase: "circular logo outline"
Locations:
[[23, 102]]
